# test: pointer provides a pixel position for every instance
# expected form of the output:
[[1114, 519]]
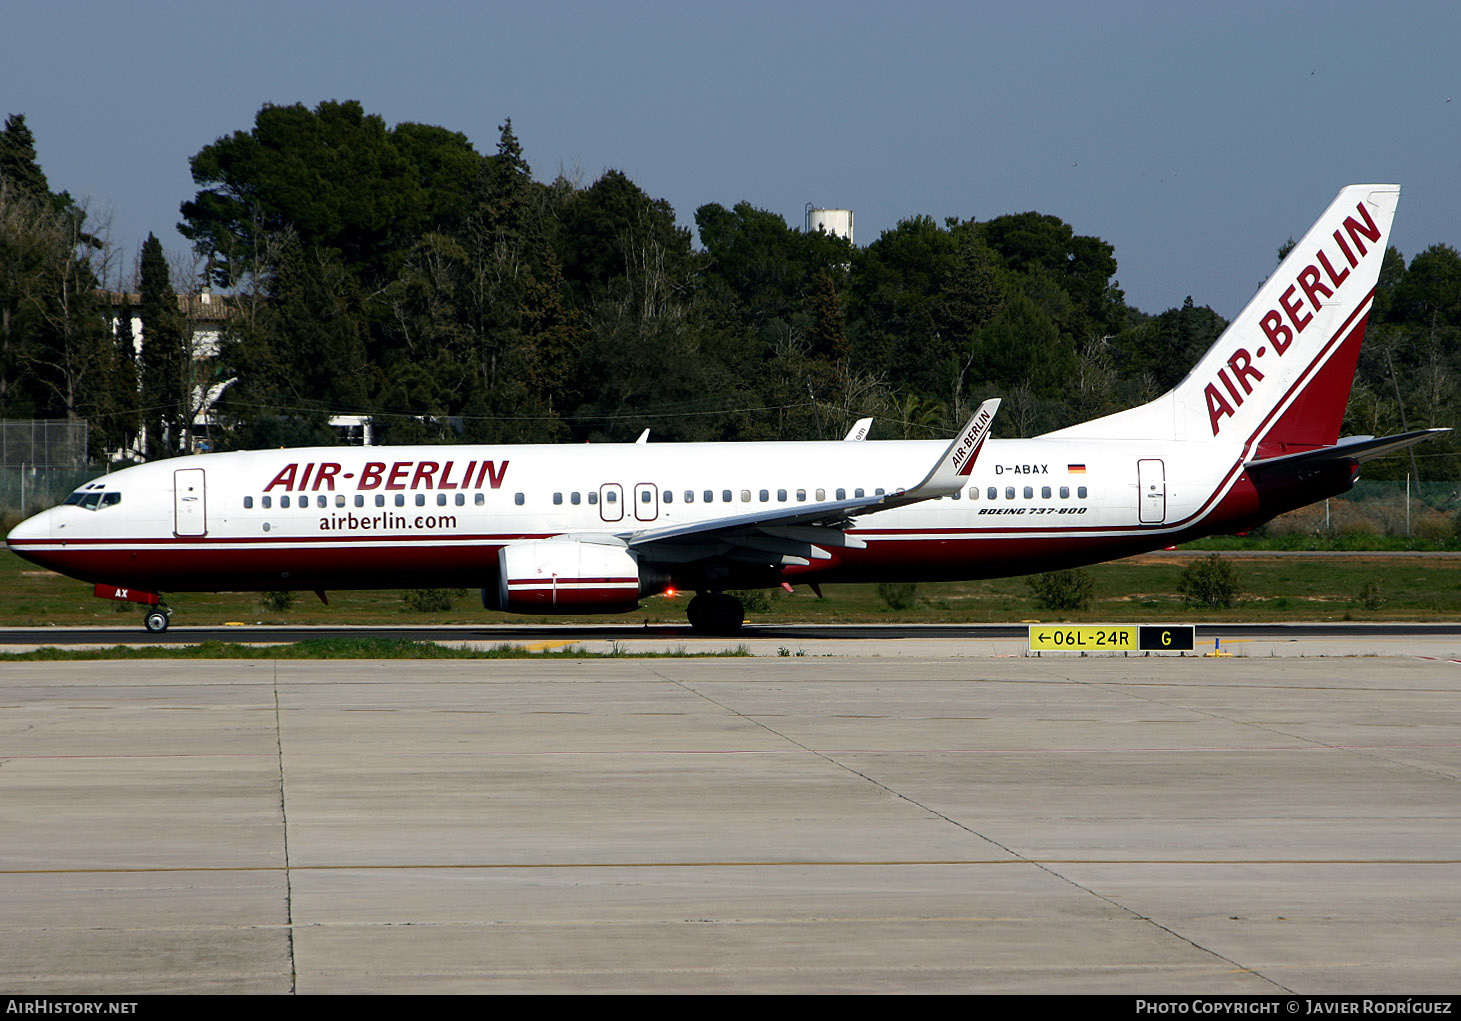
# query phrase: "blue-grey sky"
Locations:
[[1195, 137]]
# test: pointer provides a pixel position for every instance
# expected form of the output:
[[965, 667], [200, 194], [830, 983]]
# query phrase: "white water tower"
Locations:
[[833, 221]]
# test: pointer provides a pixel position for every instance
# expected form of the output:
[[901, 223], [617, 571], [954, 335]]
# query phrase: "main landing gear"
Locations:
[[715, 613]]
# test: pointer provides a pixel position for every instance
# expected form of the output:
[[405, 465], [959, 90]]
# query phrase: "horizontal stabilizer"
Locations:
[[1356, 449]]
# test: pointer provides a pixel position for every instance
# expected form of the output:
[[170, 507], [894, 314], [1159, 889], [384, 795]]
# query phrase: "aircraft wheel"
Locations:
[[695, 612], [155, 621], [718, 614], [729, 615]]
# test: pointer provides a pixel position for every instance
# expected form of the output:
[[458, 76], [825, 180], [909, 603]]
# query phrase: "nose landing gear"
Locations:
[[157, 618]]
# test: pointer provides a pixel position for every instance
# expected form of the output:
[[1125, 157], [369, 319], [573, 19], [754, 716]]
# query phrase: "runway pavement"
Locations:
[[817, 823]]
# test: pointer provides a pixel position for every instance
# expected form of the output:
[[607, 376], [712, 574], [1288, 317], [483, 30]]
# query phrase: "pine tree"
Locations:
[[164, 355], [18, 166], [124, 429]]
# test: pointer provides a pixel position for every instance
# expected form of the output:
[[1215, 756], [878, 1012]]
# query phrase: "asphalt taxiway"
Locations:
[[784, 823]]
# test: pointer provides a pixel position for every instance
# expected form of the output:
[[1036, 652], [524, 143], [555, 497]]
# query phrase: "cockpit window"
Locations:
[[91, 499]]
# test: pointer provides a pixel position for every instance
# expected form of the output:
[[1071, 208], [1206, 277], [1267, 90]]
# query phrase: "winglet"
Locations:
[[958, 460]]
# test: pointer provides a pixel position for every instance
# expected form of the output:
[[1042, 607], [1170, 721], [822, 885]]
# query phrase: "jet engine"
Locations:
[[566, 575]]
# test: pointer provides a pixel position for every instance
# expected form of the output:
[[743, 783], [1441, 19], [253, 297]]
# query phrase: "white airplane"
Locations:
[[1251, 432]]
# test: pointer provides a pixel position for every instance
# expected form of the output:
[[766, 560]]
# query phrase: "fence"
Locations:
[[41, 443], [1429, 510], [26, 491], [1433, 510]]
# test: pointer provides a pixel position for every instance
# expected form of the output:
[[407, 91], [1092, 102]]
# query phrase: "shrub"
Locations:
[[276, 602], [1063, 590], [1209, 582], [430, 600], [1372, 595], [898, 595], [754, 600]]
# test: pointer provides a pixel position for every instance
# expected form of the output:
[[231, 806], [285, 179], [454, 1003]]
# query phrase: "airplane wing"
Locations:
[[1355, 449], [795, 535]]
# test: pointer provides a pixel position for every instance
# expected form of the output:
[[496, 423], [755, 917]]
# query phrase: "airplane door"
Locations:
[[611, 501], [190, 503], [1151, 484], [646, 501]]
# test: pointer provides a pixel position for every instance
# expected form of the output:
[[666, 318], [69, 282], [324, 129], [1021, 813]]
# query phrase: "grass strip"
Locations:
[[348, 648]]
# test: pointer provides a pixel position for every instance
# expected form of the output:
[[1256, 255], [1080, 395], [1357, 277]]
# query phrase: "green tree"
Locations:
[[54, 346], [334, 177], [18, 166], [165, 358]]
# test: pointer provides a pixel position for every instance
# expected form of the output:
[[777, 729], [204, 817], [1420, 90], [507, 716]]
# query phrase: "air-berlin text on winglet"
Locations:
[[1282, 327], [970, 442], [312, 477]]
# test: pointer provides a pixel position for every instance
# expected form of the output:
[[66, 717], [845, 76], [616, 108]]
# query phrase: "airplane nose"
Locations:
[[35, 527]]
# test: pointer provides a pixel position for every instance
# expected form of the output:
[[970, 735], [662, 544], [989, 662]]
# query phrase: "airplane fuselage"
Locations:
[[332, 517]]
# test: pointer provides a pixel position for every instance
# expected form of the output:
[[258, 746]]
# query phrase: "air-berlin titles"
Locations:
[[970, 443], [398, 475], [1282, 327]]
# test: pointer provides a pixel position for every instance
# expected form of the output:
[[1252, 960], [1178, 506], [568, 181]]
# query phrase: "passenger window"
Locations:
[[689, 496], [248, 503], [781, 495], [612, 496], [400, 499], [284, 501], [322, 500], [957, 494], [441, 499], [745, 496], [340, 500], [1065, 492], [519, 499], [481, 499], [420, 499], [1009, 492], [821, 495], [842, 494], [380, 499], [1029, 492], [669, 495], [267, 501], [709, 495], [973, 492], [574, 498], [1081, 492], [765, 495], [725, 496], [877, 492], [461, 499], [645, 496], [557, 499], [593, 499], [1044, 492], [992, 493], [857, 494]]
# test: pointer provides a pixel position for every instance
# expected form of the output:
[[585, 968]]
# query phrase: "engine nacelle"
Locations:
[[567, 576]]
